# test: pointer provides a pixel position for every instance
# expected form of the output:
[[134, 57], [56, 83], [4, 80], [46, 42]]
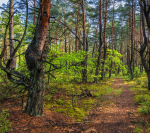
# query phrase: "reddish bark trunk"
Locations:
[[35, 54], [100, 42]]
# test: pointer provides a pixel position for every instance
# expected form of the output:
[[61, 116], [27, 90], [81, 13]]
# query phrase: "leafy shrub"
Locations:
[[5, 125], [139, 98], [138, 81], [145, 83], [137, 72], [138, 129], [145, 107]]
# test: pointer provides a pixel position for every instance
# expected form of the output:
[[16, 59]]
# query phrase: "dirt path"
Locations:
[[116, 117]]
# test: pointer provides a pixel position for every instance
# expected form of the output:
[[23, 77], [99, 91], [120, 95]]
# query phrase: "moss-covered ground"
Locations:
[[67, 97], [139, 89]]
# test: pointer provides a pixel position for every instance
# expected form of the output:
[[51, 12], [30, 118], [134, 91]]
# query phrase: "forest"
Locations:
[[75, 66]]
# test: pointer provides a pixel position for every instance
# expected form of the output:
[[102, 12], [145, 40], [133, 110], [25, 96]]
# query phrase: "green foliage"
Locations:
[[48, 97], [69, 101], [141, 94], [139, 98], [145, 107], [70, 64], [118, 92], [115, 57], [137, 72], [121, 87], [109, 90], [145, 83], [73, 60], [138, 129], [5, 125], [138, 81], [125, 71], [31, 30]]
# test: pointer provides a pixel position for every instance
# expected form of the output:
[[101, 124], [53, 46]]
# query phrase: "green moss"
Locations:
[[138, 129], [64, 97], [121, 87], [48, 97], [5, 125], [142, 98], [118, 92]]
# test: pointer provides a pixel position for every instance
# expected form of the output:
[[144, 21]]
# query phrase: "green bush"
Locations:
[[138, 81], [145, 108], [137, 72], [5, 125], [145, 83], [139, 99]]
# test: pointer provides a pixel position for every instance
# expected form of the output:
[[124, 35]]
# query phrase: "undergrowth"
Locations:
[[68, 98], [5, 125], [139, 87], [141, 94]]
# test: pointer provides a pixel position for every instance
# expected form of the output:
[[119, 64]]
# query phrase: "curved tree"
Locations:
[[35, 58]]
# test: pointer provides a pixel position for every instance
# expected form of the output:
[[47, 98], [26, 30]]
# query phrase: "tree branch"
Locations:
[[69, 29]]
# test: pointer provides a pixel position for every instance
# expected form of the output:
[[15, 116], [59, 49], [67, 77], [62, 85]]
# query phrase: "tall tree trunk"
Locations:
[[128, 45], [5, 56], [132, 51], [95, 41], [110, 70], [141, 35], [109, 43], [69, 42], [144, 44], [11, 34], [148, 48], [76, 26], [35, 55], [121, 47], [34, 13], [134, 46], [105, 47], [84, 72], [79, 44], [100, 42]]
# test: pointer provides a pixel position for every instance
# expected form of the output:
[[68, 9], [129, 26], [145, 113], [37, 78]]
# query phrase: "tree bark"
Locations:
[[84, 71], [121, 47], [34, 14], [35, 56], [76, 26], [144, 45], [132, 51], [100, 42], [95, 41], [111, 64], [11, 34], [105, 47], [128, 46]]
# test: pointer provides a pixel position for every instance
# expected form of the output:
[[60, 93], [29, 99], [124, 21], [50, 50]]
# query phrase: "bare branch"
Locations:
[[69, 29]]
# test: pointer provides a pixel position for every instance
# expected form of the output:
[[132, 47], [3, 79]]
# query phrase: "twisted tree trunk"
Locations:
[[35, 56]]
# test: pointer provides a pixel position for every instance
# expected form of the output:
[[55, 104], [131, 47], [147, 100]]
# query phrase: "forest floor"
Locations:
[[118, 115]]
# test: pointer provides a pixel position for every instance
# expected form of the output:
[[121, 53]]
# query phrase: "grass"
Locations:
[[5, 125], [118, 92], [141, 94], [139, 87], [138, 129], [64, 97]]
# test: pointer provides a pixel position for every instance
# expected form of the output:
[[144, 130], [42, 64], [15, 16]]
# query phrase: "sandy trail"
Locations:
[[117, 117]]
